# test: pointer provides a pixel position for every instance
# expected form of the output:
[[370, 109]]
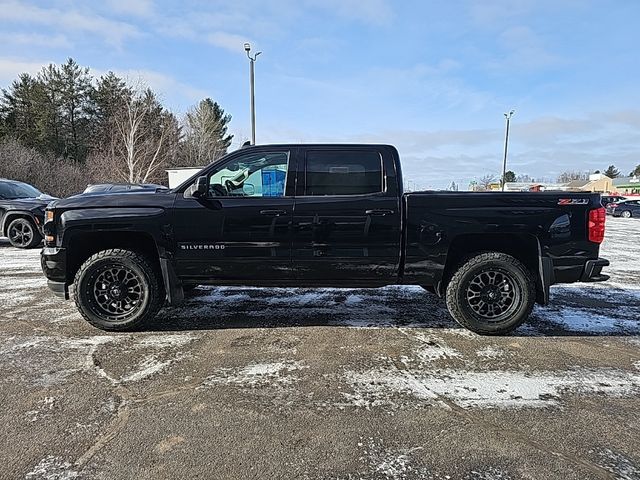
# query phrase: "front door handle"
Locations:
[[379, 212], [273, 213]]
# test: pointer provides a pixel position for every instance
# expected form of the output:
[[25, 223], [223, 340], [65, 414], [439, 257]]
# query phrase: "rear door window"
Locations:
[[343, 172]]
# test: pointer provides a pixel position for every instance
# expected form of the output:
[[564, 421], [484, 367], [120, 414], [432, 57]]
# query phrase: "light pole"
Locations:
[[252, 61], [506, 145]]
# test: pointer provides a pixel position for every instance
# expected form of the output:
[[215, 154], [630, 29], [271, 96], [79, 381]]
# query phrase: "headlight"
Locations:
[[48, 215]]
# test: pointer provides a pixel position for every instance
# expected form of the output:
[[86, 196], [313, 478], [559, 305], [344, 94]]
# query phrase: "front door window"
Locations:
[[253, 175]]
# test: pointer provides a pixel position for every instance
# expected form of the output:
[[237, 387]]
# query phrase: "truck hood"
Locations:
[[129, 199], [30, 203]]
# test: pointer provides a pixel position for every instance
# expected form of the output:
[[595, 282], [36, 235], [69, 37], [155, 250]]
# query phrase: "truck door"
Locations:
[[346, 222], [241, 230]]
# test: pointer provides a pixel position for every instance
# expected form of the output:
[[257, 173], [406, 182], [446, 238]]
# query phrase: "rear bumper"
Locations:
[[54, 266], [593, 271]]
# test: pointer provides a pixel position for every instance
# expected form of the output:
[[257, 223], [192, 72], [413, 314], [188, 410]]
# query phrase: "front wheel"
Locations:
[[23, 233], [117, 290], [626, 214], [491, 293]]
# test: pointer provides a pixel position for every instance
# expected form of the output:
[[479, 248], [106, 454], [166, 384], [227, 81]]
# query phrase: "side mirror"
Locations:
[[200, 187]]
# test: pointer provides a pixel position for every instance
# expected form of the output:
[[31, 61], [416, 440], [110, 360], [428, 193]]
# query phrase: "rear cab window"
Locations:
[[343, 172]]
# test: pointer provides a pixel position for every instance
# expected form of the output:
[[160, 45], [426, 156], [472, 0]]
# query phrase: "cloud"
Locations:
[[10, 69], [35, 40], [113, 32], [229, 41], [138, 8], [162, 84], [542, 147], [375, 12], [525, 50], [489, 13]]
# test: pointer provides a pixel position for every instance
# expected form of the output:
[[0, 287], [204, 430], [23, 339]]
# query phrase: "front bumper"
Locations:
[[53, 261], [593, 271]]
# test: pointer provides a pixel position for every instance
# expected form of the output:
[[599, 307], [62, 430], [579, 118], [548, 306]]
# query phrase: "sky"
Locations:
[[431, 77]]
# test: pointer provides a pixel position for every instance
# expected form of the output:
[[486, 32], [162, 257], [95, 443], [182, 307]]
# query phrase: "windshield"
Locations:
[[10, 190]]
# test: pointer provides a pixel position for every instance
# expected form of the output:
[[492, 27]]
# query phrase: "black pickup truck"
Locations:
[[319, 216]]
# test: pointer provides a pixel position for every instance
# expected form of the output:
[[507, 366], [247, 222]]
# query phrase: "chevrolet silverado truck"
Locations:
[[319, 216]]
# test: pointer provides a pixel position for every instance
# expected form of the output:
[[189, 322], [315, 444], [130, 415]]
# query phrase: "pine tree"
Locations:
[[206, 136], [509, 176], [76, 95], [612, 172], [19, 109]]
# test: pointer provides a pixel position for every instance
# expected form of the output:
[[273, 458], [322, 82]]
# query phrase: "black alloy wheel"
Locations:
[[23, 233]]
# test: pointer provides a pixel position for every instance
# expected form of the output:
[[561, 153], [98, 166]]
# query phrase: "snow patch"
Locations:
[[257, 374], [487, 389], [52, 468], [490, 352], [165, 341], [434, 348], [619, 465], [589, 321]]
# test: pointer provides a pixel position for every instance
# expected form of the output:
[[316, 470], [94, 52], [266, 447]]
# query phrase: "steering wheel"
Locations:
[[218, 190], [229, 186]]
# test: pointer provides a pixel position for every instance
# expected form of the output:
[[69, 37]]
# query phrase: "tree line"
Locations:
[[64, 128]]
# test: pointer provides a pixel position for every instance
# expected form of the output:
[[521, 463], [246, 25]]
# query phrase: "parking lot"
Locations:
[[323, 383]]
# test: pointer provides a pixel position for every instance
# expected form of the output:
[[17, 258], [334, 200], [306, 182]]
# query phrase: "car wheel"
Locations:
[[118, 290], [491, 293], [23, 233], [626, 214]]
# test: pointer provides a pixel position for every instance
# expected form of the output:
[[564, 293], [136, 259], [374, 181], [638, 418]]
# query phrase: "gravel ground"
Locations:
[[323, 383]]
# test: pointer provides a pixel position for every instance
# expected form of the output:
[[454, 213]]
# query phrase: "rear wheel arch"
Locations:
[[491, 293], [523, 247]]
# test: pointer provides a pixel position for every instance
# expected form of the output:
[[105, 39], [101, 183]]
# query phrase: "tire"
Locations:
[[23, 233], [626, 214], [99, 293], [491, 293]]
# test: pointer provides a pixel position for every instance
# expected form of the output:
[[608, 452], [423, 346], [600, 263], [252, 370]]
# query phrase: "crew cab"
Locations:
[[319, 216]]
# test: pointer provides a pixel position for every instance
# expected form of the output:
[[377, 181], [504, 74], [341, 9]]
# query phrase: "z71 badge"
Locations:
[[573, 201]]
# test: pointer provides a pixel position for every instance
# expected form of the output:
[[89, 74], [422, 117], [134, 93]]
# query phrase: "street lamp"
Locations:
[[506, 144], [252, 60]]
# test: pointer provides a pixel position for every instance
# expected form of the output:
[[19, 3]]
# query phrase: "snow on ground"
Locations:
[[257, 374], [486, 389]]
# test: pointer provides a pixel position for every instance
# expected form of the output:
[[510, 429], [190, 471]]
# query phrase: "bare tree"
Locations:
[[486, 181], [145, 135], [569, 176]]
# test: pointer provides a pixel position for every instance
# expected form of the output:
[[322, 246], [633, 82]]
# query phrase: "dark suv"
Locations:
[[22, 213]]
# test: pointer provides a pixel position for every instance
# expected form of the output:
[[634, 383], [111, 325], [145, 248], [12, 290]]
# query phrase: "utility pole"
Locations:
[[252, 61], [506, 145]]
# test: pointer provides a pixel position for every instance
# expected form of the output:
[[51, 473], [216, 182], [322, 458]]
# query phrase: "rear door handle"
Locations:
[[379, 212], [273, 213]]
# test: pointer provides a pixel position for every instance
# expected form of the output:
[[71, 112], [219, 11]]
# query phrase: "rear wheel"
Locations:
[[23, 233], [118, 290], [626, 214], [491, 293]]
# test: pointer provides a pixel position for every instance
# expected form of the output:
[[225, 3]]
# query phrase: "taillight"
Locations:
[[596, 225]]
